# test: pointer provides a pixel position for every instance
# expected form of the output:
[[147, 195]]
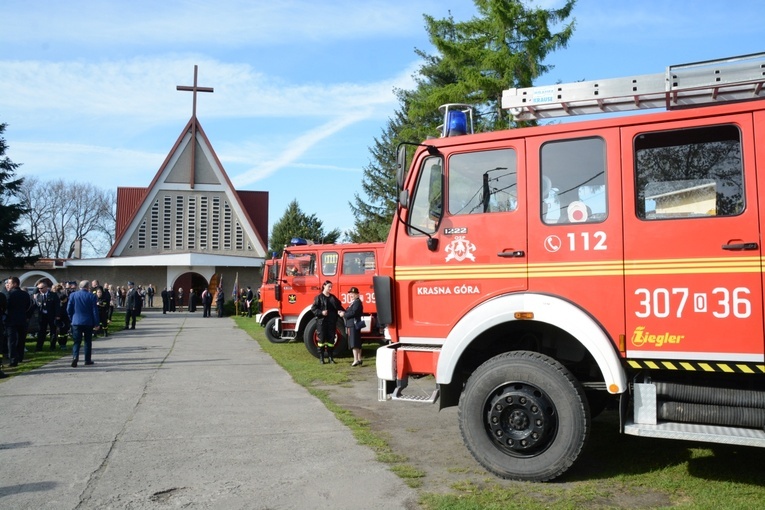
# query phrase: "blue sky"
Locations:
[[302, 87]]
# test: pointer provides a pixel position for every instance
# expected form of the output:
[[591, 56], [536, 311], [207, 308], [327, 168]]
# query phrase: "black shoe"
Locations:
[[74, 363], [90, 362], [133, 327], [127, 328]]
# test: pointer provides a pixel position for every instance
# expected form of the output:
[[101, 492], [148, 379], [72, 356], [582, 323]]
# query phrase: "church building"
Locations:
[[189, 228]]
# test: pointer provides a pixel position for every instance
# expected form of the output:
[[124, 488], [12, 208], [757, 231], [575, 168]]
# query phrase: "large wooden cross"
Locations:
[[194, 89]]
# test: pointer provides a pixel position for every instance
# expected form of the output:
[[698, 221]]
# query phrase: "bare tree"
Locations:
[[60, 212]]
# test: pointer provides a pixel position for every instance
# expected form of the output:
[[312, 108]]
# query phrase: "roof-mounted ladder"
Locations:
[[681, 86]]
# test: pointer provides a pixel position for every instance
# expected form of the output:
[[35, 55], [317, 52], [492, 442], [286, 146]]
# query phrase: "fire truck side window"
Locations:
[[426, 208], [301, 265], [273, 273], [358, 262], [689, 173], [574, 181], [329, 263], [482, 182]]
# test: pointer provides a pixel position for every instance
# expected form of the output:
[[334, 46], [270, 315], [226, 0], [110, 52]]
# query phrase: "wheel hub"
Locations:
[[520, 419]]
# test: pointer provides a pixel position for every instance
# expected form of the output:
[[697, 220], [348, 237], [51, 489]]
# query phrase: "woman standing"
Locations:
[[354, 324], [326, 308], [103, 311]]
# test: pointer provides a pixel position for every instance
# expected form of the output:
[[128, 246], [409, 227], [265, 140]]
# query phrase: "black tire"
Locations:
[[272, 333], [311, 339], [523, 416]]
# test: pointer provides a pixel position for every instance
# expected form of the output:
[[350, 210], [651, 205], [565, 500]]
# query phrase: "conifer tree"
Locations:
[[295, 223], [15, 244], [373, 218], [503, 47]]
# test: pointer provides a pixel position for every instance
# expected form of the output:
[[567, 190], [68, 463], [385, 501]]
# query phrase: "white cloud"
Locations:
[[101, 166], [296, 148], [223, 23], [145, 89]]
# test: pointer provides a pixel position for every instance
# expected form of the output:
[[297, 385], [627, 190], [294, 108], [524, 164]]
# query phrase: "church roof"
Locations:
[[191, 167]]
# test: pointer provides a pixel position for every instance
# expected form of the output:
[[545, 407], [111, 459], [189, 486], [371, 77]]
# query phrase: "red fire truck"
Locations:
[[535, 273], [287, 297], [268, 304]]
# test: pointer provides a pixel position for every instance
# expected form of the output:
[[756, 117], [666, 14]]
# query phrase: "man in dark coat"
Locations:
[[49, 314], [16, 315], [83, 312], [132, 306], [165, 301], [249, 300], [207, 299]]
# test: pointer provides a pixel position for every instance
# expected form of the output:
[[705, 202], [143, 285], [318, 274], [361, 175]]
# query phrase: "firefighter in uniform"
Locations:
[[326, 308]]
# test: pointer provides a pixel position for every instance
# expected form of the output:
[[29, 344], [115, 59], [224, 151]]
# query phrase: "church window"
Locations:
[[216, 223], [166, 232], [155, 224], [142, 236], [203, 218], [179, 222], [239, 237], [191, 220], [226, 226]]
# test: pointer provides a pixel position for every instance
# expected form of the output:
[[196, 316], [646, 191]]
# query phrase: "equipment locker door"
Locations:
[[692, 241], [480, 236]]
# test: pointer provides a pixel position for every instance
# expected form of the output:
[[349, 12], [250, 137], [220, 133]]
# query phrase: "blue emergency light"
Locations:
[[458, 119], [456, 124]]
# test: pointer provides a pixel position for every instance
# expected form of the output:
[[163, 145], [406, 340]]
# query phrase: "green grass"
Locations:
[[614, 471], [33, 359]]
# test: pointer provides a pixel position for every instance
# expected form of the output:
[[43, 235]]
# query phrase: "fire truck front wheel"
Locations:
[[272, 332], [523, 416], [311, 339]]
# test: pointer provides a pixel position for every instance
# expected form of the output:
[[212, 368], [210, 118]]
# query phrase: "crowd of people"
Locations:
[[61, 311]]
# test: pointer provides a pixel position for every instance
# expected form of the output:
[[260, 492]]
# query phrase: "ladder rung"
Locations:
[[702, 83]]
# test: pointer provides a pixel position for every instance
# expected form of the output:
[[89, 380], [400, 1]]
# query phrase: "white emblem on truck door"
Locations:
[[460, 249]]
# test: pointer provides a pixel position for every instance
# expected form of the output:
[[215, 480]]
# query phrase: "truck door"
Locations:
[[302, 282], [358, 267], [268, 298], [692, 241], [575, 221], [478, 230]]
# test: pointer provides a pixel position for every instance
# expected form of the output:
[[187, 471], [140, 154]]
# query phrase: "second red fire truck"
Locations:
[[291, 283]]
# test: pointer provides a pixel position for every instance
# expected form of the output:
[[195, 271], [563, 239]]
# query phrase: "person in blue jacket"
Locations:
[[83, 311]]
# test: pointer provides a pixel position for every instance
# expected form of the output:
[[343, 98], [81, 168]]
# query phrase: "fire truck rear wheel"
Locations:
[[311, 339], [272, 333], [523, 416]]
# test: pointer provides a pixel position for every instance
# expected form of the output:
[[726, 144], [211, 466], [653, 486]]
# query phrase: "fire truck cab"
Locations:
[[269, 305], [538, 272], [301, 271]]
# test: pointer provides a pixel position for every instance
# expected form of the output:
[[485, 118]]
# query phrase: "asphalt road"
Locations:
[[183, 412]]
